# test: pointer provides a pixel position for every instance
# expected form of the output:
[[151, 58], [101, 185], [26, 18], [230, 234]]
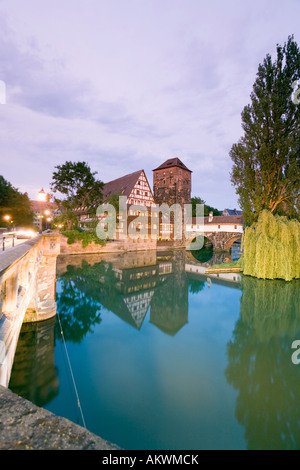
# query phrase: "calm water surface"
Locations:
[[165, 358]]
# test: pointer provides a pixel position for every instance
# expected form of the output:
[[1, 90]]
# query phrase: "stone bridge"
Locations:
[[221, 231], [221, 241], [27, 292]]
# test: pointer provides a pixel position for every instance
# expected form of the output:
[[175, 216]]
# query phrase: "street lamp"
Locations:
[[7, 219], [40, 217], [48, 220], [42, 196]]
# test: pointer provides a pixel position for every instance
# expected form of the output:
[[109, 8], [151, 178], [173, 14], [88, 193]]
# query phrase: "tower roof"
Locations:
[[171, 163]]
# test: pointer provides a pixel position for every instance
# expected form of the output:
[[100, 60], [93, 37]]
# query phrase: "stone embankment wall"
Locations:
[[118, 246]]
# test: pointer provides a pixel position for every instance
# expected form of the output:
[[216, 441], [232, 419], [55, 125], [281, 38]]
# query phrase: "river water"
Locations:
[[163, 357]]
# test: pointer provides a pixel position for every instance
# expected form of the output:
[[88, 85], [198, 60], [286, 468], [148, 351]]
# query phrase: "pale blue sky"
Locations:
[[127, 84]]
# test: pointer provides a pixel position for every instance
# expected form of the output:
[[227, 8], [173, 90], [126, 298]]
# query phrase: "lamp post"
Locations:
[[48, 219], [42, 198]]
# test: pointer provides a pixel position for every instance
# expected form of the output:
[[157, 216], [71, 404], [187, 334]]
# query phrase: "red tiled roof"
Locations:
[[171, 163], [222, 219], [123, 185]]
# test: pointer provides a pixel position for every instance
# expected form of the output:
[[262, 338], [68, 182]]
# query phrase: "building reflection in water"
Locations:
[[127, 286], [169, 307]]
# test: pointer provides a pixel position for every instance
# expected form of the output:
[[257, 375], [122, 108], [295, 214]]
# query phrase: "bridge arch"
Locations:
[[231, 241], [192, 237], [221, 241]]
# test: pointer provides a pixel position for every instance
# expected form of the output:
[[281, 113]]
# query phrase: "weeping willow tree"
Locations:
[[272, 248]]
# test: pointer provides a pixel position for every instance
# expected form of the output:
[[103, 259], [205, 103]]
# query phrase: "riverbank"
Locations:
[[227, 267], [25, 426]]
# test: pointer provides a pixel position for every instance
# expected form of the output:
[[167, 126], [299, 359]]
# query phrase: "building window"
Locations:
[[219, 226], [235, 227]]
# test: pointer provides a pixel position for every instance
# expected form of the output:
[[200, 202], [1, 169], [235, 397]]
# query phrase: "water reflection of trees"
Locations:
[[260, 366], [196, 286], [203, 255], [78, 300]]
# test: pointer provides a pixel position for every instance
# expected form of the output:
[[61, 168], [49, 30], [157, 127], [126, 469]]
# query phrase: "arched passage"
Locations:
[[230, 242]]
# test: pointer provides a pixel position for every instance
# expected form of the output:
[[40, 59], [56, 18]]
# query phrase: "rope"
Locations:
[[70, 367]]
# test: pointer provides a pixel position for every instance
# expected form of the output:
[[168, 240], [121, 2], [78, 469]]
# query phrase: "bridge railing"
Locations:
[[7, 240]]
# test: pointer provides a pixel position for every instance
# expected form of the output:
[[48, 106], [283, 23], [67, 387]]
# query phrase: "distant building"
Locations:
[[40, 207], [217, 223], [232, 212]]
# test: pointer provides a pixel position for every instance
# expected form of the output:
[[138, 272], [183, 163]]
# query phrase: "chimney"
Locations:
[[210, 217]]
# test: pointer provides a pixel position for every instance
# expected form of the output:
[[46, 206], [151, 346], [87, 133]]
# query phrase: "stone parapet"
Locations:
[[25, 426]]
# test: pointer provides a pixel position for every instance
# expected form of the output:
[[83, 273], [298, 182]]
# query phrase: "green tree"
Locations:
[[266, 169], [207, 208], [113, 199], [80, 191], [15, 204]]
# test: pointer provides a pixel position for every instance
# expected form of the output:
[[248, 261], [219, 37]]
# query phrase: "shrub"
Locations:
[[86, 237]]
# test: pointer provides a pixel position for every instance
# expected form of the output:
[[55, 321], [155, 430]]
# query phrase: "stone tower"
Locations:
[[172, 182]]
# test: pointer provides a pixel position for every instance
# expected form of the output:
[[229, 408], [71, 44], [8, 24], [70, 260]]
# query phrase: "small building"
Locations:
[[232, 212], [44, 210], [217, 223]]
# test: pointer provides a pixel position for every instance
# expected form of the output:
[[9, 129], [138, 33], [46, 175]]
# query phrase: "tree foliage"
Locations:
[[207, 208], [79, 190], [272, 248], [266, 165], [15, 204], [260, 367]]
